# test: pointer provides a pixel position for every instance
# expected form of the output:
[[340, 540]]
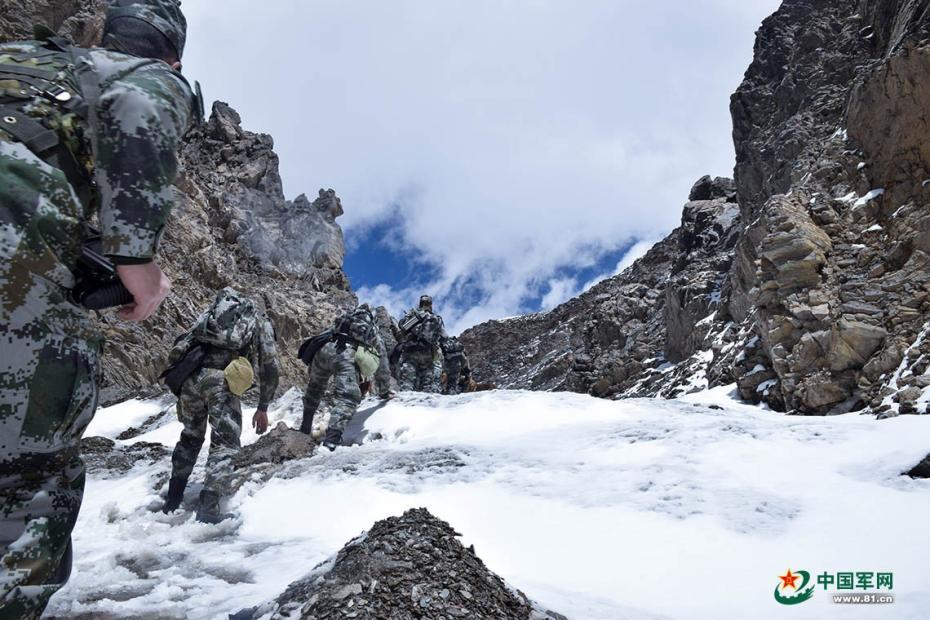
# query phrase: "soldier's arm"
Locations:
[[268, 374], [140, 120]]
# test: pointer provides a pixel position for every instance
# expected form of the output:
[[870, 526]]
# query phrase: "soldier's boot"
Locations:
[[332, 439], [209, 509], [306, 424], [175, 494]]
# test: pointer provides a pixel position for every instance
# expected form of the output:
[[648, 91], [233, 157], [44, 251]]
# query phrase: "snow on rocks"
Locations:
[[595, 508]]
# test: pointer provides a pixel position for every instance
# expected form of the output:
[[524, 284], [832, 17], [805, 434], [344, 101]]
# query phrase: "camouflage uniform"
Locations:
[[420, 364], [336, 360], [454, 363], [119, 123], [206, 399]]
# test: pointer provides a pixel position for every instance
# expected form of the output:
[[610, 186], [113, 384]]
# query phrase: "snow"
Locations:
[[873, 228], [598, 509], [872, 195], [861, 165]]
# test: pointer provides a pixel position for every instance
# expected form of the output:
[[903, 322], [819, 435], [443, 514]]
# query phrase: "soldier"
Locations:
[[418, 352], [230, 339], [83, 133], [352, 353], [455, 366]]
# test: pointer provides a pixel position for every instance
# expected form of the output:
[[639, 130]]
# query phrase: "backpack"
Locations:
[[312, 346], [426, 329], [358, 326], [230, 323], [44, 106]]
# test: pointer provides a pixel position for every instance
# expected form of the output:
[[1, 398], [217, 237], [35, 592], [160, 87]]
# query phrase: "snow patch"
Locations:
[[872, 195]]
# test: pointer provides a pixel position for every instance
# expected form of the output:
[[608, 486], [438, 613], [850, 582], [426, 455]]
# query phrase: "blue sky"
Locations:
[[499, 155]]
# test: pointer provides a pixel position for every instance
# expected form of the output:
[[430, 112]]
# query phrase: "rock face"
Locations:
[[642, 332], [411, 566], [821, 304], [79, 20]]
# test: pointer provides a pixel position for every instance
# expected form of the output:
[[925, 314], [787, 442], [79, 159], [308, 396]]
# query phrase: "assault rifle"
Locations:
[[98, 286]]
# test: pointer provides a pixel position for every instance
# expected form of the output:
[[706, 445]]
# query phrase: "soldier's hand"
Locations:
[[149, 287], [260, 421]]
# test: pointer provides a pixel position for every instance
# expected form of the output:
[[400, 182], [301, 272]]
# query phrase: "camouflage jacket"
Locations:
[[260, 351], [124, 123]]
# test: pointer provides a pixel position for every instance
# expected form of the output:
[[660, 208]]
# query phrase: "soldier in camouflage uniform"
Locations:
[[355, 337], [233, 327], [83, 133], [419, 354], [455, 366]]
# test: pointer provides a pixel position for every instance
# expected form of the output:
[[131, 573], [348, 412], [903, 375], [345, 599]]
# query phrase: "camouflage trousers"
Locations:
[[48, 381], [454, 366], [206, 399], [419, 372], [336, 362]]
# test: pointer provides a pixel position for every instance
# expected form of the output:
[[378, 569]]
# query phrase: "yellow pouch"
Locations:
[[239, 375], [367, 361]]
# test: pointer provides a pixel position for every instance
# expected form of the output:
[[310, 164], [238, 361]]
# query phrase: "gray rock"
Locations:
[[412, 566]]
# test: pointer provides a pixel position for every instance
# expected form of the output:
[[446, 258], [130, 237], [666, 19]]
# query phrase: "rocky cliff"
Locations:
[[231, 226], [819, 301]]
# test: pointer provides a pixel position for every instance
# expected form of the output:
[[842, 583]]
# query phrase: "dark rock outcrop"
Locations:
[[79, 20], [412, 566], [102, 455], [921, 469], [642, 332]]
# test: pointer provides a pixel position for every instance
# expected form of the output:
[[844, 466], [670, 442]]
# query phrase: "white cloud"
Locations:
[[509, 138]]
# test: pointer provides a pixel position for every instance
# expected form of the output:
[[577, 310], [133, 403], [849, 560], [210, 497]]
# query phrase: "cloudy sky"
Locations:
[[501, 155]]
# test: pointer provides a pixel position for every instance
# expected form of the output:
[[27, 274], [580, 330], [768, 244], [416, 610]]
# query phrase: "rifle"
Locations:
[[98, 286]]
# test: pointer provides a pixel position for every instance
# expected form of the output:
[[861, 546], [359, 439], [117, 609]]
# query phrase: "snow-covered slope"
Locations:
[[596, 509]]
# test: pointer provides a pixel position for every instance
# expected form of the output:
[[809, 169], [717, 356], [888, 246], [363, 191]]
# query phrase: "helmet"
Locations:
[[163, 15], [426, 301]]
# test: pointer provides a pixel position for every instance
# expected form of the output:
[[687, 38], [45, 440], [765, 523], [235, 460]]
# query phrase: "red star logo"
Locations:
[[788, 580]]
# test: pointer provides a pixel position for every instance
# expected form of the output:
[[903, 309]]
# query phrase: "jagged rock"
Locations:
[[707, 188], [279, 445], [921, 470], [412, 566], [79, 20], [615, 339], [105, 455]]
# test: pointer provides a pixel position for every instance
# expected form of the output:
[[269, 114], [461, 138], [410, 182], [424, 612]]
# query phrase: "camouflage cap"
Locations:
[[163, 15]]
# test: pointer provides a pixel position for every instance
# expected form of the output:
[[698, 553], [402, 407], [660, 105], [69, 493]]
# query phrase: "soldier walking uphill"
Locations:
[[84, 134], [350, 353], [211, 367], [456, 370], [418, 354]]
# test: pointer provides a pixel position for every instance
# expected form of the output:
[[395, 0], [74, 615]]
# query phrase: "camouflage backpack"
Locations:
[[43, 105], [424, 326], [230, 322], [452, 347], [358, 326]]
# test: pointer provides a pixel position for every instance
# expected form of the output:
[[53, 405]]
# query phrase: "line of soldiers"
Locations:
[[91, 136], [211, 366]]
